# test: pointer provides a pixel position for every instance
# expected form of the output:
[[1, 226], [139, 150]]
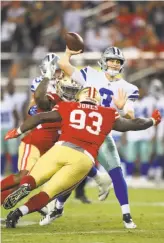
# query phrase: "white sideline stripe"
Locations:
[[21, 223], [123, 231]]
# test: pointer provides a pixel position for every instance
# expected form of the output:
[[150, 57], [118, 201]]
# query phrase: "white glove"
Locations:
[[49, 73]]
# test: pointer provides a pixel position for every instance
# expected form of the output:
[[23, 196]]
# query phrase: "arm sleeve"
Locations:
[[133, 93]]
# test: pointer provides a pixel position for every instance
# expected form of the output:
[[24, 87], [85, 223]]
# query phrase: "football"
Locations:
[[74, 41]]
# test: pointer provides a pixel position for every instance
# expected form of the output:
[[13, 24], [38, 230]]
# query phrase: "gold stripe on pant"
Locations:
[[62, 168]]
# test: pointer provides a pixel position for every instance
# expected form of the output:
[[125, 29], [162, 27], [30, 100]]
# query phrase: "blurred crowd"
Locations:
[[27, 25]]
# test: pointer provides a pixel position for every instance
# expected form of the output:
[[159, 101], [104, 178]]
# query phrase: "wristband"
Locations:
[[154, 121], [19, 130]]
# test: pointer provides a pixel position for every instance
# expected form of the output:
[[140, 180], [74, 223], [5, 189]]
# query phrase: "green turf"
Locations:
[[98, 222]]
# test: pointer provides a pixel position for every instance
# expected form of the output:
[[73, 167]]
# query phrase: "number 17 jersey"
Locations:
[[85, 125]]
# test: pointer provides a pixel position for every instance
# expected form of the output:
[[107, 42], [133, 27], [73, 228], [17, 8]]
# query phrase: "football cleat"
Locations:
[[12, 218], [104, 186], [43, 211], [48, 208], [16, 196], [56, 213], [128, 222]]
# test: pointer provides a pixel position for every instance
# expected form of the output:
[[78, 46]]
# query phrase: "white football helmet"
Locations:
[[49, 58], [111, 53], [156, 88], [89, 95], [66, 88]]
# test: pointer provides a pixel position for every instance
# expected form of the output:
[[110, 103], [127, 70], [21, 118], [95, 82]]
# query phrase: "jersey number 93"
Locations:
[[78, 120]]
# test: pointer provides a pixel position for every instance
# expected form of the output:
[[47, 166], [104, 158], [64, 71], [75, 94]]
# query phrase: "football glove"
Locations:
[[156, 116], [13, 133]]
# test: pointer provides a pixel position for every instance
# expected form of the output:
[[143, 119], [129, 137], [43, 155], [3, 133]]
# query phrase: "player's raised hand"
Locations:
[[13, 133], [71, 53], [48, 74], [156, 116], [120, 100]]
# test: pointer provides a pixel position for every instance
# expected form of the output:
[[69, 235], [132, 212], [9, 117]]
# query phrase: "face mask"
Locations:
[[112, 72]]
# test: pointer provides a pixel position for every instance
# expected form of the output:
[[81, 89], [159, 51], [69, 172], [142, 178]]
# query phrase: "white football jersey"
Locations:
[[36, 81], [160, 127], [7, 108], [143, 108], [91, 77]]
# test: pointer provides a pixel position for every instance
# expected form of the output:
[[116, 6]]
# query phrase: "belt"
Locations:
[[74, 146]]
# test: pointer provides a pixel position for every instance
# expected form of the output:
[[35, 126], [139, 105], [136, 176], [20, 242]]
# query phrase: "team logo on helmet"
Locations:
[[89, 95]]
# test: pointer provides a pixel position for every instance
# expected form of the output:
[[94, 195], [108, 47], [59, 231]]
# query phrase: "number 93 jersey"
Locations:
[[91, 77], [85, 125]]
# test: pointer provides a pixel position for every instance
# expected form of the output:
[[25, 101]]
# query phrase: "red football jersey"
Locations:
[[85, 125], [44, 136]]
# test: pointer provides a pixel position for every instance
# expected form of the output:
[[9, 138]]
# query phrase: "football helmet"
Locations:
[[49, 58], [89, 95], [111, 53], [66, 88], [156, 88]]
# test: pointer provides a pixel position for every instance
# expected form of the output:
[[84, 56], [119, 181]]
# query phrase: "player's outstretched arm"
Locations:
[[124, 125], [41, 99], [32, 122]]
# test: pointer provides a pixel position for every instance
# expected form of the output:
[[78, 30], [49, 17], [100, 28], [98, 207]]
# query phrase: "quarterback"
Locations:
[[85, 125]]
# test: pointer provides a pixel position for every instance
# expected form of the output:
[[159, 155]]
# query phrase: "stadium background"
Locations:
[[30, 29]]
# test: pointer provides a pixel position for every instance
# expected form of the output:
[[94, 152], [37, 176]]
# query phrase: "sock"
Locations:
[[79, 191], [14, 161], [24, 209], [125, 208], [144, 169], [8, 182], [93, 172], [3, 162], [29, 180], [129, 168], [5, 193], [63, 198], [97, 177], [157, 162], [36, 203], [119, 185]]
